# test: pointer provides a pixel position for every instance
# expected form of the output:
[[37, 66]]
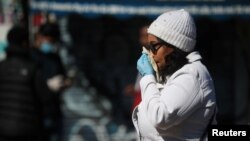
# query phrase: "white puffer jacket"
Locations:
[[178, 110]]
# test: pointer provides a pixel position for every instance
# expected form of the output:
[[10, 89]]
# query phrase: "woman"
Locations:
[[181, 104]]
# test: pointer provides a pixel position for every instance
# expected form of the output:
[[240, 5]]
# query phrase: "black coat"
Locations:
[[20, 91]]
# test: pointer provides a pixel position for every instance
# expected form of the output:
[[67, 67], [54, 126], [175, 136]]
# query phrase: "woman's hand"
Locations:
[[143, 65]]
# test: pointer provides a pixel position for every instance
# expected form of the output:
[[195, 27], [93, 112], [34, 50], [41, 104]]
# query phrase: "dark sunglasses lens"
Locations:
[[152, 48], [147, 47]]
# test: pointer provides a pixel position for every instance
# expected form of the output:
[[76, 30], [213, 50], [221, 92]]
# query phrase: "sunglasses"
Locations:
[[154, 47]]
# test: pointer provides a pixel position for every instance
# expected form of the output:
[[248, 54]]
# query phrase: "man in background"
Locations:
[[21, 88], [46, 47], [134, 89]]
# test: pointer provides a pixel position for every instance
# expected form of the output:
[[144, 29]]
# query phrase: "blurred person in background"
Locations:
[[134, 89], [47, 44], [46, 47], [143, 40], [21, 89], [181, 104]]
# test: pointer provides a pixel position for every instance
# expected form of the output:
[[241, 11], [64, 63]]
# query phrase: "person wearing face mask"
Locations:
[[46, 47], [46, 43], [178, 95], [46, 54]]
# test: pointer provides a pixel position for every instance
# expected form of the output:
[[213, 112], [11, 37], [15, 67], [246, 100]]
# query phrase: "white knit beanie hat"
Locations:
[[176, 28]]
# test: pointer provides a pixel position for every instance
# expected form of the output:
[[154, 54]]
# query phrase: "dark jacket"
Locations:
[[20, 110], [51, 66], [50, 63]]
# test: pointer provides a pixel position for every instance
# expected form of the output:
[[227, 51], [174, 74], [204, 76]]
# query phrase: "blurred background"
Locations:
[[100, 44]]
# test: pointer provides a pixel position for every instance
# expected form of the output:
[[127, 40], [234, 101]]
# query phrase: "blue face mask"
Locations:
[[47, 47]]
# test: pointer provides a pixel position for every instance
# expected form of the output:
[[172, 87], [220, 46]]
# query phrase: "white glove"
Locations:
[[55, 83]]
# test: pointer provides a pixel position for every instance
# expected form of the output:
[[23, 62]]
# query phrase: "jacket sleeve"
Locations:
[[178, 99], [46, 99]]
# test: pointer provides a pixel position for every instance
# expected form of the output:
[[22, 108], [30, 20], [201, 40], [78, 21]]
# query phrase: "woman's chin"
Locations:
[[159, 66]]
